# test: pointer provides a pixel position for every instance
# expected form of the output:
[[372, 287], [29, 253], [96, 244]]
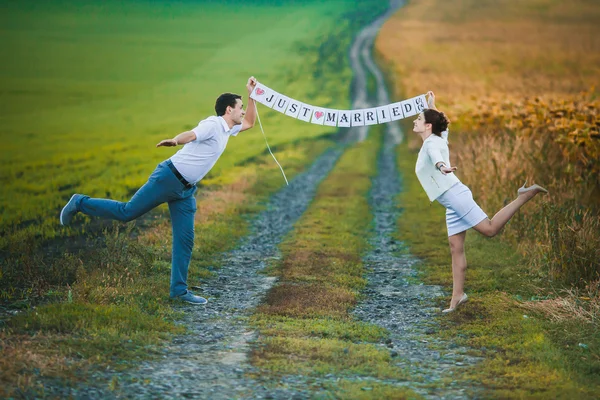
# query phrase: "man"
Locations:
[[174, 182]]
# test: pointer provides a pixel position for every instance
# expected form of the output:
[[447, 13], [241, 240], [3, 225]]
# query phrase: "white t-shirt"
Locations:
[[197, 157]]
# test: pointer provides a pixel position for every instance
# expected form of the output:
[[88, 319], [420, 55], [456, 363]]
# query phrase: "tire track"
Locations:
[[396, 300], [361, 53], [394, 297]]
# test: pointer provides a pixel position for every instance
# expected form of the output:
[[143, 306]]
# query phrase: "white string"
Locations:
[[268, 147]]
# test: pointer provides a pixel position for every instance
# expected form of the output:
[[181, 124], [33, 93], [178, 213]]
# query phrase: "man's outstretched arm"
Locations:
[[250, 117], [182, 138]]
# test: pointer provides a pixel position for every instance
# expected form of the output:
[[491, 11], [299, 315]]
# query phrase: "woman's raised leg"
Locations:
[[491, 228]]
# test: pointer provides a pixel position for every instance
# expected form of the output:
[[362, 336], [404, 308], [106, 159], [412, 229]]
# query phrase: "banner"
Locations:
[[332, 117]]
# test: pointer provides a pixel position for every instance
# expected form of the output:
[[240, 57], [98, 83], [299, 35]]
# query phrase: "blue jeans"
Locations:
[[162, 187]]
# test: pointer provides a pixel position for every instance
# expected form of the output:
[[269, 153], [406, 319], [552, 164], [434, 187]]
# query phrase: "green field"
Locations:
[[88, 89]]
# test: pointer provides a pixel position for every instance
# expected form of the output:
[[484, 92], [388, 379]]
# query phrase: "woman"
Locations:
[[439, 182]]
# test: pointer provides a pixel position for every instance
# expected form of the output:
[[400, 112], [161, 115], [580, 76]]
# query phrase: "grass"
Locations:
[[525, 354], [118, 77], [117, 310], [109, 156], [304, 324], [139, 82], [347, 389]]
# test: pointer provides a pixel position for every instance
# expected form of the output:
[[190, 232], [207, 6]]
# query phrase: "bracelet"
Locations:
[[439, 167]]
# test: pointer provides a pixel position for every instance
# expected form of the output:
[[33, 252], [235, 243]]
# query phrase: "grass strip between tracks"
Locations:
[[305, 326]]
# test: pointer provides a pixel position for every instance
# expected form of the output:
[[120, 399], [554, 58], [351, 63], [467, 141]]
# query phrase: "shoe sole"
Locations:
[[529, 189], [196, 304], [62, 212]]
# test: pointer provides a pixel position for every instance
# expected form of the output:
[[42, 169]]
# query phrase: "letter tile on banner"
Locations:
[[358, 117], [370, 116], [281, 104], [396, 111], [260, 93], [331, 117], [344, 118], [383, 114], [421, 103], [271, 98], [306, 112], [318, 116], [294, 108], [409, 108]]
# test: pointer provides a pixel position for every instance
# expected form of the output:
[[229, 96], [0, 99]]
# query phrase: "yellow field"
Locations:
[[471, 51], [517, 81]]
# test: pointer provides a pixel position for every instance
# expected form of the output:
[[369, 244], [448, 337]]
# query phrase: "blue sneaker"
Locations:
[[191, 298], [69, 211]]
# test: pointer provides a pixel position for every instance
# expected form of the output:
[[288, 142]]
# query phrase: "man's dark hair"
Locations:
[[226, 100]]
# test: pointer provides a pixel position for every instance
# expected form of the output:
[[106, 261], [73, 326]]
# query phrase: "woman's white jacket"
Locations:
[[434, 150]]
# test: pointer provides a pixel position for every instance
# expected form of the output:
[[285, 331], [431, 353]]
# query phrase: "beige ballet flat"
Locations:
[[463, 299], [523, 189]]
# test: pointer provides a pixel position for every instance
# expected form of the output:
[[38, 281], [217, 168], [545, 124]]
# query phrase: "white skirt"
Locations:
[[462, 212]]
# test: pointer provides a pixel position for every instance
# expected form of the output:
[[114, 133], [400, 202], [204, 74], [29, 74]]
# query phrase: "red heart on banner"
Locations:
[[318, 114], [260, 92]]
